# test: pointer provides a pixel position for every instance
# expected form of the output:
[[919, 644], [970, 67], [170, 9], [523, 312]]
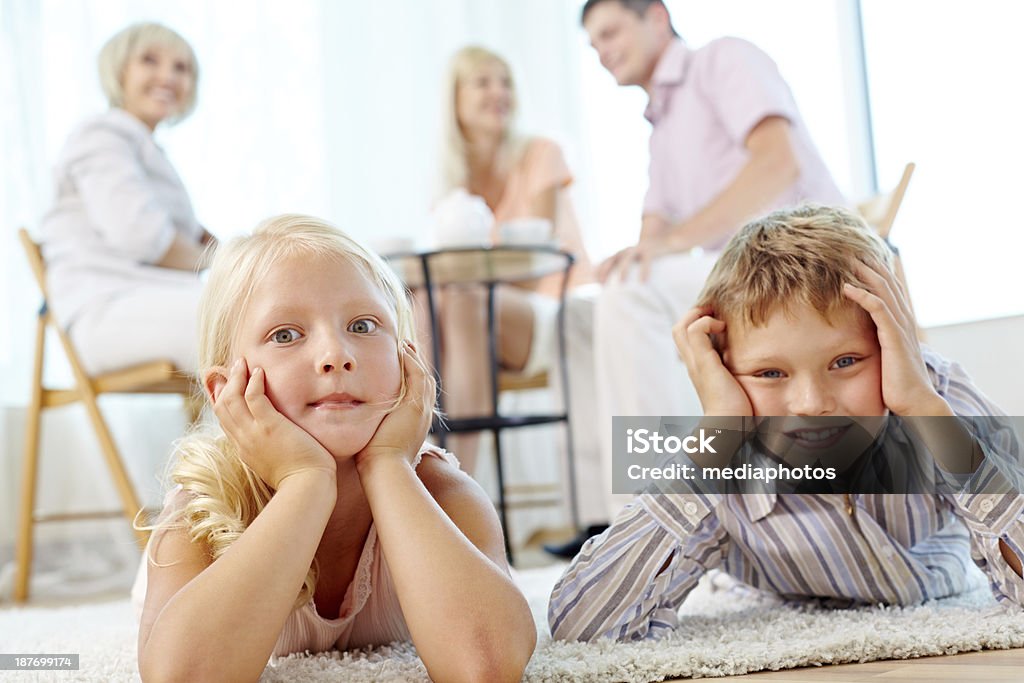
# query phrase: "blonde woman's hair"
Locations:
[[454, 168], [128, 43], [224, 495], [793, 257]]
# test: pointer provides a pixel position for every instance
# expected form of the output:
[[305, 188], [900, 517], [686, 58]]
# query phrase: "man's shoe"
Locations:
[[572, 548]]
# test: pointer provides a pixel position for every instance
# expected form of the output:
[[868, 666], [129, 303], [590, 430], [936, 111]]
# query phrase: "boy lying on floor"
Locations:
[[803, 317]]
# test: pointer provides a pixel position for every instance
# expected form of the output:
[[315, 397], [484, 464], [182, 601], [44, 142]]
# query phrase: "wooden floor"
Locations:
[[989, 665]]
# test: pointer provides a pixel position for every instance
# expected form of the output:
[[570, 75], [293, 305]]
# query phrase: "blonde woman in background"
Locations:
[[121, 242], [521, 179]]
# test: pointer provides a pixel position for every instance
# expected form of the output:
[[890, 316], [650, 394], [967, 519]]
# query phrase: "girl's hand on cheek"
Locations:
[[402, 431], [720, 394], [268, 442]]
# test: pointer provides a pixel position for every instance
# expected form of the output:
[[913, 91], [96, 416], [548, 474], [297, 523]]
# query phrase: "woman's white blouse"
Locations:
[[119, 203]]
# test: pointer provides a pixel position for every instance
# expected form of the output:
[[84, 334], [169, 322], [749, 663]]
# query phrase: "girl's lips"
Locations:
[[336, 405], [337, 402], [825, 437]]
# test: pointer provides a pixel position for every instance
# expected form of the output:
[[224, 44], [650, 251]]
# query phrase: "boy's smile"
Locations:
[[812, 377]]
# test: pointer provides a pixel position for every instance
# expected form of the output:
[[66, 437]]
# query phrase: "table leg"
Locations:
[[492, 347]]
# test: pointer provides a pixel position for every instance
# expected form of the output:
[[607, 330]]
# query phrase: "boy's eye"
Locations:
[[285, 335], [769, 374], [845, 362], [363, 326]]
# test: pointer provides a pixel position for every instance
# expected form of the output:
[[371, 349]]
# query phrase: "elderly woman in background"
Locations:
[[122, 243], [521, 179]]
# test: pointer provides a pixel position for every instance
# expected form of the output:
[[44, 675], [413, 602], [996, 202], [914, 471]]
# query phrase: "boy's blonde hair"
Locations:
[[454, 166], [129, 42], [224, 494], [797, 256]]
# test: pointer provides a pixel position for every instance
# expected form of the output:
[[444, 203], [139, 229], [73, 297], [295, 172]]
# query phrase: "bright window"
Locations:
[[941, 79]]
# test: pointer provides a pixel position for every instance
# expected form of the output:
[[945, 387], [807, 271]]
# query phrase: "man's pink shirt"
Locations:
[[704, 103]]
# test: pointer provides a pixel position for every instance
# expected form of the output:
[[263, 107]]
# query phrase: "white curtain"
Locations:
[[331, 107], [325, 107]]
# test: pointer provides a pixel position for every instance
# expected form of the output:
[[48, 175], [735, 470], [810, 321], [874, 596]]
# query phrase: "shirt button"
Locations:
[[986, 505], [690, 509]]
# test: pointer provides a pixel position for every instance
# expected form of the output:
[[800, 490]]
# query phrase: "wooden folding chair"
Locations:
[[880, 212], [156, 377]]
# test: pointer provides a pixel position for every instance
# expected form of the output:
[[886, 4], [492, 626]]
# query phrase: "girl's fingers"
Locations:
[[232, 397], [256, 397], [417, 375]]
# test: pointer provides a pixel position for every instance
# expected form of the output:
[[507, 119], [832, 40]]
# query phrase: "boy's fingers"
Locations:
[[690, 317], [706, 325], [878, 310], [698, 336], [887, 286], [680, 330]]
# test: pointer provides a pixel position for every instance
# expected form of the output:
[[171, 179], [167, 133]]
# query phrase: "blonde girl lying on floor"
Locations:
[[316, 517]]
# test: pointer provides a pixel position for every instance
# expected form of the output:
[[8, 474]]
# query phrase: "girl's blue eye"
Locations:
[[363, 326], [845, 362], [285, 335], [770, 374]]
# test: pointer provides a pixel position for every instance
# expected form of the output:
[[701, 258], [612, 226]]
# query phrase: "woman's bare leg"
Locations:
[[464, 353]]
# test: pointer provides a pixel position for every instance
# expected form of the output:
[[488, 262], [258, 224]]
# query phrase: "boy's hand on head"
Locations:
[[268, 442], [720, 394], [906, 387], [402, 431]]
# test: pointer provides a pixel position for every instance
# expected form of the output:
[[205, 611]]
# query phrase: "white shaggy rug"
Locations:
[[726, 631]]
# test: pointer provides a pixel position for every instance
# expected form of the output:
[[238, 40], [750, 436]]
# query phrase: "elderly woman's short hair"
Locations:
[[129, 42]]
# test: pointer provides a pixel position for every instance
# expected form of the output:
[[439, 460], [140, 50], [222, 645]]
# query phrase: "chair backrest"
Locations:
[[34, 254], [880, 211]]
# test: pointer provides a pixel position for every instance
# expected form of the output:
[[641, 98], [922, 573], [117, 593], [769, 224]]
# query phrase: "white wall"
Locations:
[[990, 351]]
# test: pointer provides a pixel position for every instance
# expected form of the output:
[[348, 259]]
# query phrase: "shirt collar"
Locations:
[[669, 73], [759, 504]]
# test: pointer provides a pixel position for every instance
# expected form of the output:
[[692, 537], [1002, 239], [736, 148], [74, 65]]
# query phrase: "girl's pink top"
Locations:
[[369, 613]]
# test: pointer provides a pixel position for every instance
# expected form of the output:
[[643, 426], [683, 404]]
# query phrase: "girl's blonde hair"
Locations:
[[454, 169], [223, 494], [797, 256], [128, 43]]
